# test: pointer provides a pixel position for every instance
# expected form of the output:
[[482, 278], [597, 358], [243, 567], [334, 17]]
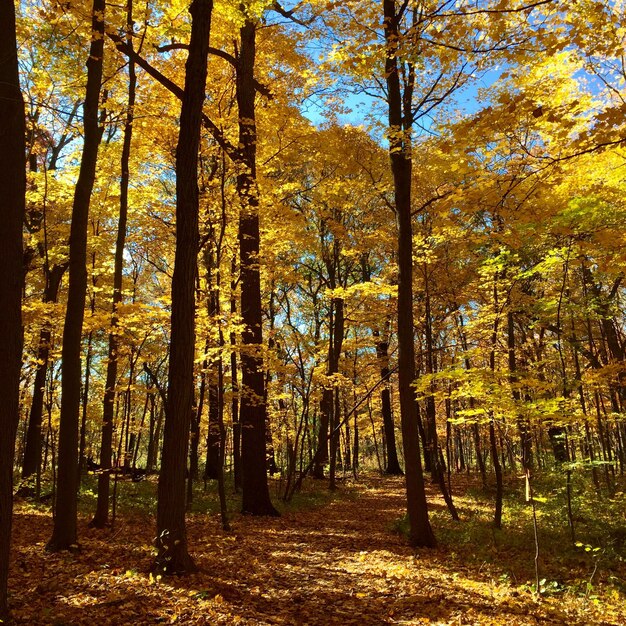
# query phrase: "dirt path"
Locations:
[[337, 564], [344, 564]]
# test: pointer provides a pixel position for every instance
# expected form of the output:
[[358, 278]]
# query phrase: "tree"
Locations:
[[173, 556], [101, 516], [400, 123], [64, 535], [252, 411], [13, 189]]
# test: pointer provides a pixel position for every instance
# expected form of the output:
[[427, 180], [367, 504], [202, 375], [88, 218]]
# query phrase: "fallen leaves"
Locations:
[[337, 564]]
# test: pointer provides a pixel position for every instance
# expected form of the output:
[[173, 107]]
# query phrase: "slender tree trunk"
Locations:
[[194, 463], [64, 534], [234, 386], [497, 519], [173, 556], [526, 442], [336, 348], [437, 469], [256, 496], [475, 428], [156, 419], [101, 517], [32, 451], [13, 190], [321, 451], [213, 451], [382, 353], [82, 438], [194, 441], [420, 533]]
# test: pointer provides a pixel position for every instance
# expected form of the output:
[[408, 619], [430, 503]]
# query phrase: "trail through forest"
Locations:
[[341, 562]]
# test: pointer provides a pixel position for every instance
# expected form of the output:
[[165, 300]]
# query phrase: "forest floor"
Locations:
[[330, 559]]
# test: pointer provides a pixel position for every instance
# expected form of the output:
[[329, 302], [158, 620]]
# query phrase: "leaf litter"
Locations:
[[338, 563]]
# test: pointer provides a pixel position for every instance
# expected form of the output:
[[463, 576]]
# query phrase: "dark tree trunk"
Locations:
[[64, 534], [526, 442], [85, 406], [497, 518], [436, 466], [173, 557], [32, 451], [269, 442], [336, 348], [475, 428], [256, 496], [13, 190], [194, 459], [234, 405], [321, 451], [156, 419], [393, 465], [420, 533], [194, 453], [213, 451], [101, 517], [328, 435]]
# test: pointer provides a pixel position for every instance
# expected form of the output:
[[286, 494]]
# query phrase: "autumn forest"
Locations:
[[313, 312]]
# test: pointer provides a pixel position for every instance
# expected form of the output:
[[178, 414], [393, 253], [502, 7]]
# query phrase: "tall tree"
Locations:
[[13, 190], [64, 534], [173, 556], [400, 125], [253, 410], [101, 516]]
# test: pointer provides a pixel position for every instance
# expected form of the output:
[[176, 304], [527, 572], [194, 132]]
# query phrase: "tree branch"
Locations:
[[262, 89], [171, 86]]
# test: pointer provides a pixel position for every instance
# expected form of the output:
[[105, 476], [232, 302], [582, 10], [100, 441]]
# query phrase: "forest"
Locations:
[[313, 312]]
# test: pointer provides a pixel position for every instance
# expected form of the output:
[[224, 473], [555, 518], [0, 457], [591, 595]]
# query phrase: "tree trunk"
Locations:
[[436, 466], [213, 451], [64, 534], [497, 518], [420, 533], [526, 441], [256, 496], [32, 451], [382, 353], [101, 517], [85, 405], [13, 189], [173, 557], [234, 385], [335, 350]]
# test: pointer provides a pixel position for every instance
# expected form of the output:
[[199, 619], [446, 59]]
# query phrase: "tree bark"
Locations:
[[173, 557], [436, 466], [64, 534], [101, 517], [213, 442], [382, 353], [13, 189], [255, 497], [32, 451], [523, 425], [234, 386], [497, 517], [420, 533]]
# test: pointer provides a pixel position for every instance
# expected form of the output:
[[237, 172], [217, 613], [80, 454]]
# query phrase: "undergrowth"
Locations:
[[589, 561]]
